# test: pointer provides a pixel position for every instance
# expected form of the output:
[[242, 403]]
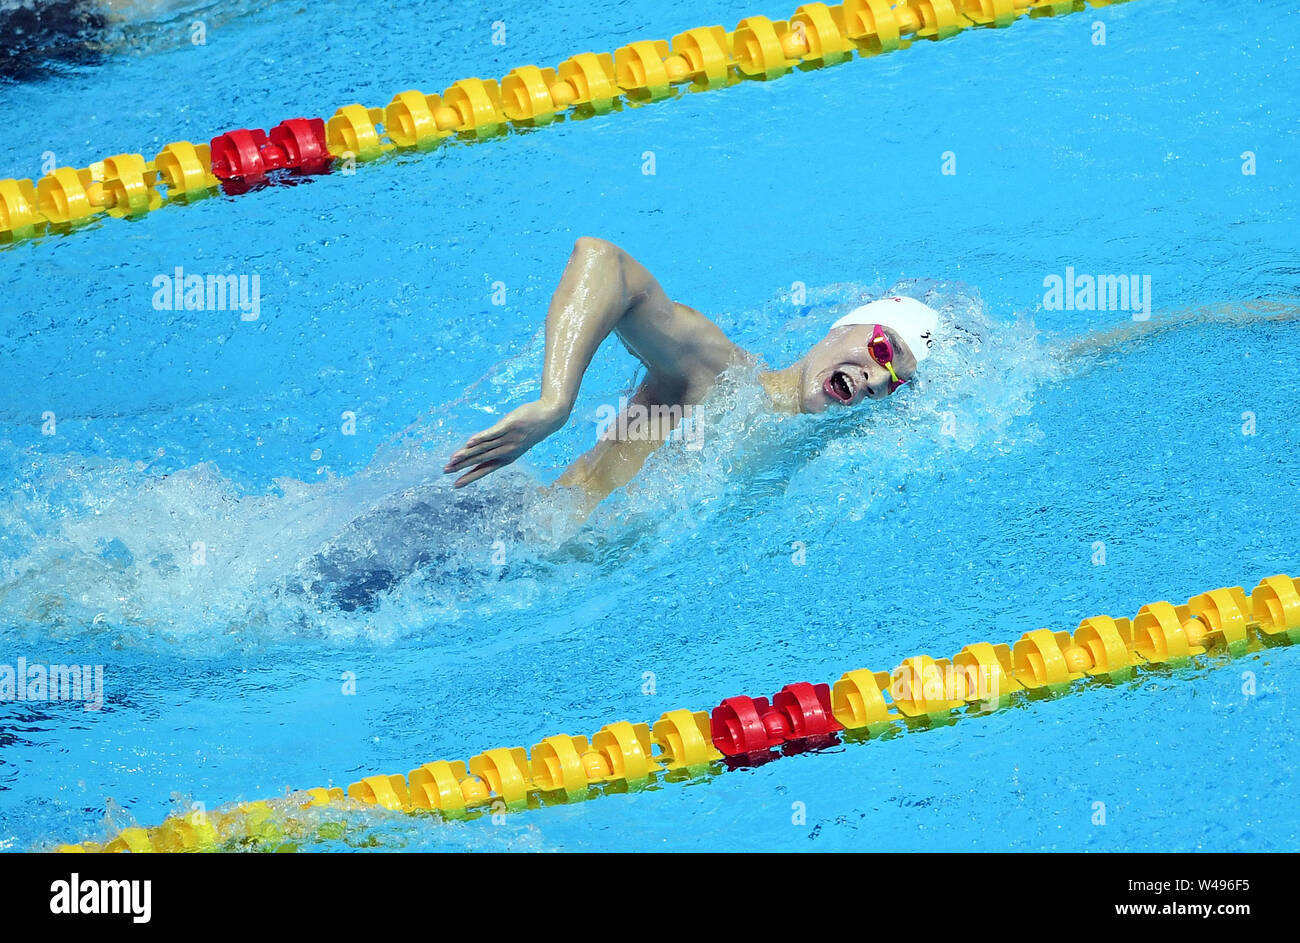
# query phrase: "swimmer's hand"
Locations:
[[510, 438]]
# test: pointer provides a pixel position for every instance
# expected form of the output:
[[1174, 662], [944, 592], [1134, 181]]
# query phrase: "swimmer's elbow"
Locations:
[[602, 250], [604, 253], [591, 244], [607, 263], [595, 244]]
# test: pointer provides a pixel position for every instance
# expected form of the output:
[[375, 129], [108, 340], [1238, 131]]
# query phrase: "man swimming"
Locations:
[[868, 354]]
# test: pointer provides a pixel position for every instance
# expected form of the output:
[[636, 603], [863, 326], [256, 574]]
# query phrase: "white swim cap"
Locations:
[[915, 322]]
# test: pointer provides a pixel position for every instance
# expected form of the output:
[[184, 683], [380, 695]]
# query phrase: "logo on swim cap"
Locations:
[[914, 321]]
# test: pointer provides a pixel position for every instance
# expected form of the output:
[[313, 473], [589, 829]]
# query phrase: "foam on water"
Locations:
[[751, 460]]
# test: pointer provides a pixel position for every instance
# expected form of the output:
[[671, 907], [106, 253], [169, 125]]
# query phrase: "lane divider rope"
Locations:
[[744, 731], [126, 186]]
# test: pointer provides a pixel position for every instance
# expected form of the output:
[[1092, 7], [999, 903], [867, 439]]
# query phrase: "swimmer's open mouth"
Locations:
[[839, 386]]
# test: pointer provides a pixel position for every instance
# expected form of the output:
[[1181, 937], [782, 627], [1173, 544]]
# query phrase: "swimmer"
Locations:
[[866, 355]]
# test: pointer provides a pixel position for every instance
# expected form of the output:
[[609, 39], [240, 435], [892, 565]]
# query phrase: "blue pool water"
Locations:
[[969, 507]]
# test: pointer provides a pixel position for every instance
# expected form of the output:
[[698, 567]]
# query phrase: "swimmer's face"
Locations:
[[840, 371]]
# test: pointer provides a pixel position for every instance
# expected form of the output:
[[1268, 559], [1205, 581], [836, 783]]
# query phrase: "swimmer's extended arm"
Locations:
[[602, 290]]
